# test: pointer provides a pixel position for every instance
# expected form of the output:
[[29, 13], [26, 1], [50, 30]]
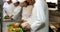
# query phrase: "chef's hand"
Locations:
[[7, 16], [10, 17], [28, 27], [22, 21]]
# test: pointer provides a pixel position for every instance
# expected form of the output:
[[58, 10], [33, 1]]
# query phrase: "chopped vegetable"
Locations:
[[13, 28]]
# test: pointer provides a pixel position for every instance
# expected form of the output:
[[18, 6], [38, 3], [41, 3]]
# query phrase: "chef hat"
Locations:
[[7, 0], [14, 1], [21, 1]]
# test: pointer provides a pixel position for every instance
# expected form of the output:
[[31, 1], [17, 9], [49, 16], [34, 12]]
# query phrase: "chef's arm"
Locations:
[[38, 22], [5, 12], [16, 12]]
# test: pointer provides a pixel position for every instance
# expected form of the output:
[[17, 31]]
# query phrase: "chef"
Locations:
[[38, 22], [8, 8], [17, 10], [27, 10]]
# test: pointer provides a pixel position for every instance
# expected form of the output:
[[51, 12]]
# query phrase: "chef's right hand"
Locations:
[[8, 17]]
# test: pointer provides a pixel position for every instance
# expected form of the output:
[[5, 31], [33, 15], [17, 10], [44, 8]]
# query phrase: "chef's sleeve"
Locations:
[[16, 12]]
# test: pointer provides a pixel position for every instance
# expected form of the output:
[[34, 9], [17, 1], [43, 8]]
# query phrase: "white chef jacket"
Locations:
[[16, 13], [26, 12], [39, 18], [8, 9]]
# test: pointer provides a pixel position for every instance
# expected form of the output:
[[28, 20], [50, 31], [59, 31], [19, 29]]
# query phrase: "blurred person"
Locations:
[[8, 8], [38, 22], [26, 12], [26, 9], [17, 10]]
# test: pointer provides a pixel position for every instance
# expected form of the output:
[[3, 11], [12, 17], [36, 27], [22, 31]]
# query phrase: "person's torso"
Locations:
[[36, 14], [8, 8], [17, 10], [27, 11]]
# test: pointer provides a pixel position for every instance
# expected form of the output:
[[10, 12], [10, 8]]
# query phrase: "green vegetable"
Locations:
[[24, 30], [19, 29], [13, 29], [16, 29]]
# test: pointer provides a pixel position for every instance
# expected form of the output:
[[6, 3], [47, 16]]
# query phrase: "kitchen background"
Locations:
[[54, 14]]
